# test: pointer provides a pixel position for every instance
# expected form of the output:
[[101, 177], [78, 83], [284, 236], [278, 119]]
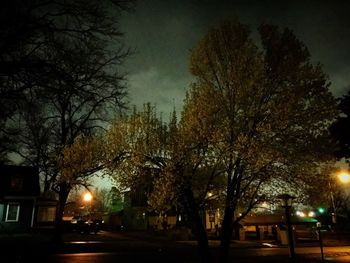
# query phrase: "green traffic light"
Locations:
[[321, 210]]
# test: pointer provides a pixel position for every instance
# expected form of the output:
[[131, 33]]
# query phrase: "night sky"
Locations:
[[162, 32]]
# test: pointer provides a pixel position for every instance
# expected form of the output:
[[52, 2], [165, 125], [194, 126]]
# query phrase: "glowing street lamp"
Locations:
[[88, 198], [311, 214], [300, 214], [344, 177]]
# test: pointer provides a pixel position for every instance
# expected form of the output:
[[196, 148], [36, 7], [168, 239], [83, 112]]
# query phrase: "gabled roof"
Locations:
[[19, 181]]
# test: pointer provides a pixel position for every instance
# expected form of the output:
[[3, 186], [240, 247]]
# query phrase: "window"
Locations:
[[46, 214], [17, 183], [12, 213]]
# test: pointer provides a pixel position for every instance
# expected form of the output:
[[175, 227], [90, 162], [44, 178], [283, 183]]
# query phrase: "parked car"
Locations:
[[86, 225]]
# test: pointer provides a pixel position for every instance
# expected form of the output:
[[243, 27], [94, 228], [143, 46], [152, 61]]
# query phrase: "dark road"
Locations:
[[108, 247]]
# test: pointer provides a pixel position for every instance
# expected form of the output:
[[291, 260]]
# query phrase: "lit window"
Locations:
[[12, 213], [46, 214]]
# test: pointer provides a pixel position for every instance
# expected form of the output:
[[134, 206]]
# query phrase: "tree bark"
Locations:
[[62, 199], [197, 226], [226, 234]]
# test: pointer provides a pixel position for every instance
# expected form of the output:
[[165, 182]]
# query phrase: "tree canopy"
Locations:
[[265, 112], [254, 125]]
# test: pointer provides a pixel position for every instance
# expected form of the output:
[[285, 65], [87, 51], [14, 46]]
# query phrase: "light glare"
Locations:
[[311, 214], [344, 177], [87, 197]]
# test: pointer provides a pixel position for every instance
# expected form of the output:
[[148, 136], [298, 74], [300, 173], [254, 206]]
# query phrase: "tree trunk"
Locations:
[[226, 234], [197, 226], [62, 199]]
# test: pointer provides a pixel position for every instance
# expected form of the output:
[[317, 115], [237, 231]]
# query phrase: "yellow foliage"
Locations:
[[80, 159]]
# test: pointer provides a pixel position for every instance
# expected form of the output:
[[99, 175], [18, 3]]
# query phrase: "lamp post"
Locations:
[[287, 204], [343, 176], [320, 240], [334, 215]]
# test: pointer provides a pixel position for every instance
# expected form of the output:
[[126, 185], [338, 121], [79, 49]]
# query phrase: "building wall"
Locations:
[[2, 211], [212, 219], [160, 223], [25, 216], [135, 218]]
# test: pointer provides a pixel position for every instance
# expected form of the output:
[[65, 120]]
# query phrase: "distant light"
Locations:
[[269, 245], [210, 194], [344, 177], [321, 210], [311, 214], [301, 214], [87, 197]]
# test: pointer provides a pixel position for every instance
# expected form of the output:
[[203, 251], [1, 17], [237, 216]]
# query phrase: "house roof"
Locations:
[[261, 220], [18, 181], [254, 220]]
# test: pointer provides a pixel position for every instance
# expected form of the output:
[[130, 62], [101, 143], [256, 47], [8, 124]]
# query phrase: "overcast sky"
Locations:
[[162, 32]]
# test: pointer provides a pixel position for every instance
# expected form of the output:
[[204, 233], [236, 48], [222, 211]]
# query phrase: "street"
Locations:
[[243, 255], [141, 247]]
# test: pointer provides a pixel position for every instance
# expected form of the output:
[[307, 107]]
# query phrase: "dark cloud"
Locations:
[[163, 32]]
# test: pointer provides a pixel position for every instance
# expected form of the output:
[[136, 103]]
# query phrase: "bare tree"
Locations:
[[61, 79], [37, 36]]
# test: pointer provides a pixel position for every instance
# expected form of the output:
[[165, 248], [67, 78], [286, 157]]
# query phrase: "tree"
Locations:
[[116, 202], [136, 147], [75, 165], [256, 117], [269, 110], [36, 39], [340, 130], [102, 200], [255, 124], [157, 158], [77, 101], [60, 77]]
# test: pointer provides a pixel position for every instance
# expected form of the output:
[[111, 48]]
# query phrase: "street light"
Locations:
[[344, 177], [88, 198], [287, 204]]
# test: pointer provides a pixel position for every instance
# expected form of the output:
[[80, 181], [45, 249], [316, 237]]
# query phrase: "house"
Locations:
[[22, 209], [273, 227]]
